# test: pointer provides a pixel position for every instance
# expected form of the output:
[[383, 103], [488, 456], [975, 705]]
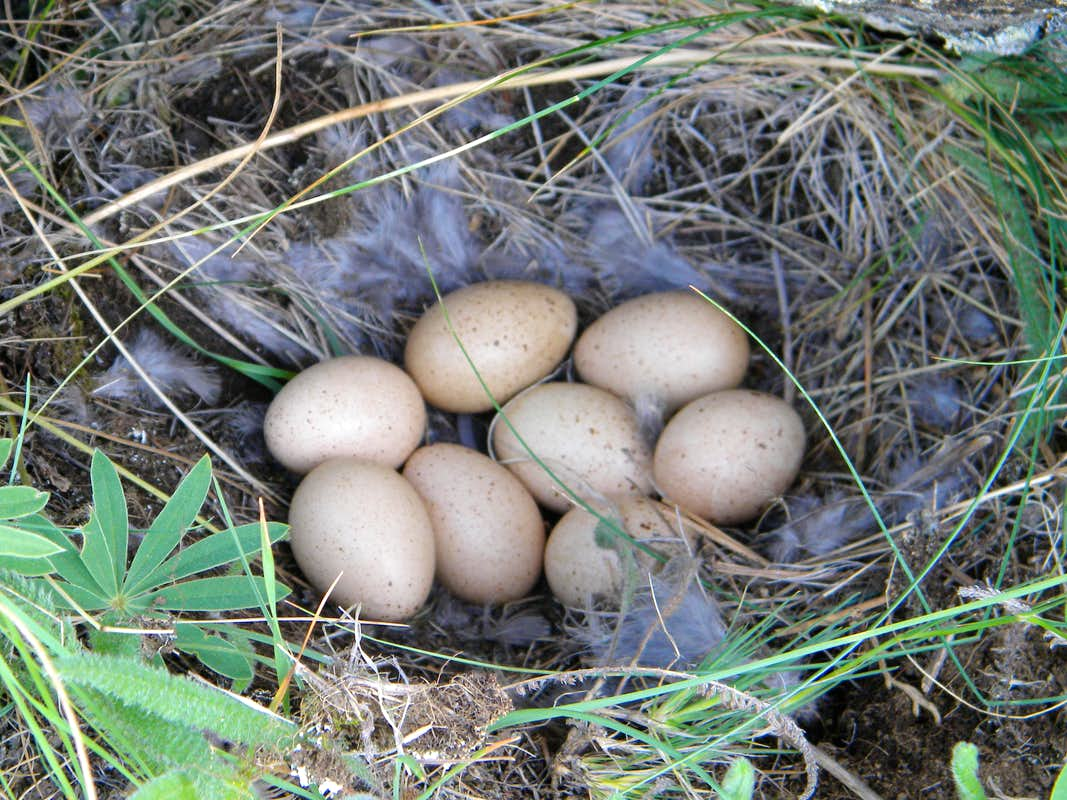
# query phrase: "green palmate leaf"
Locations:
[[739, 783], [195, 706], [169, 526], [225, 593], [23, 544], [210, 552], [77, 597], [67, 561], [217, 653], [98, 555], [21, 501], [107, 532], [28, 567]]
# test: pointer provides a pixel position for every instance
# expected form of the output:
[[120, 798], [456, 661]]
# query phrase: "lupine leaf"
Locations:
[[214, 551], [217, 653], [21, 501], [21, 543], [168, 527], [107, 532], [223, 593]]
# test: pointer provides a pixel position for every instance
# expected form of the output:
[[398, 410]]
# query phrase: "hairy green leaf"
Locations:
[[174, 785], [5, 451], [193, 784], [965, 772], [179, 700], [223, 593], [150, 744], [21, 501], [739, 783], [169, 526]]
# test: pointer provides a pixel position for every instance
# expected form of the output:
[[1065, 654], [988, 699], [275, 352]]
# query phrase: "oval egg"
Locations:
[[352, 406], [365, 522], [488, 530], [725, 456], [515, 333], [589, 438], [672, 346], [579, 567]]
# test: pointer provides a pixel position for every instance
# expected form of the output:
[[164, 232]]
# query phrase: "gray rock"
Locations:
[[967, 26]]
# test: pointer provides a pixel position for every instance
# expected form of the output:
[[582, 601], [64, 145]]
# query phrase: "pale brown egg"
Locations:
[[364, 522], [581, 564], [357, 406], [589, 439], [488, 530], [670, 346], [515, 333], [726, 455]]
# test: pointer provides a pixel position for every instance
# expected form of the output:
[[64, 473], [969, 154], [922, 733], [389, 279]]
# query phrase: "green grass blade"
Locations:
[[169, 526]]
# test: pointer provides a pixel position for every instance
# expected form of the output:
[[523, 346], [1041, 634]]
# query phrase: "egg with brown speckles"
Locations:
[[352, 406], [587, 437], [515, 333], [671, 346], [582, 557], [488, 530], [726, 455], [365, 523]]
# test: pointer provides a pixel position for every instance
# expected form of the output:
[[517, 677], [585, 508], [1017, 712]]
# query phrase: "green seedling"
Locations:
[[965, 772]]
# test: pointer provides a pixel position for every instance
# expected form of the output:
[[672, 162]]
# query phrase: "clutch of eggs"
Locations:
[[377, 538]]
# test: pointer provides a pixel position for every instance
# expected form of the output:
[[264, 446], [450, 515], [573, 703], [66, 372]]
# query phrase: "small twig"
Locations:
[[845, 777]]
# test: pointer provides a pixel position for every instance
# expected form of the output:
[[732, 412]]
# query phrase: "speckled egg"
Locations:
[[488, 530], [726, 455], [671, 346], [364, 522], [589, 438], [356, 406], [578, 567], [515, 333]]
